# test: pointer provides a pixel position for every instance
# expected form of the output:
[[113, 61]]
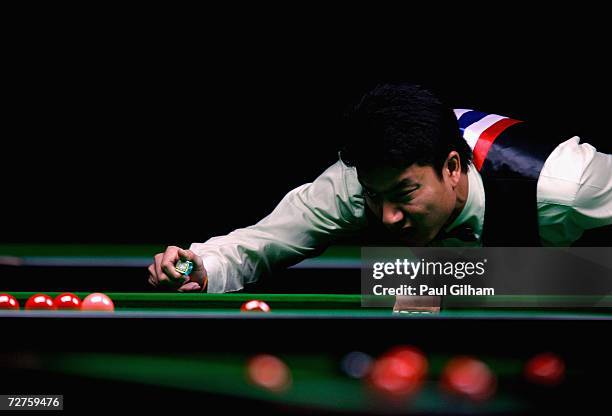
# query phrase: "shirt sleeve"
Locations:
[[305, 222], [574, 192]]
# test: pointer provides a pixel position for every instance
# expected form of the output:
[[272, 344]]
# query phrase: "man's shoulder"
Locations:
[[563, 173], [344, 175]]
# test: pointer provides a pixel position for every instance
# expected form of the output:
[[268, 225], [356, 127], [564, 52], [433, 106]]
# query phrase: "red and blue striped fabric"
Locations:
[[480, 131]]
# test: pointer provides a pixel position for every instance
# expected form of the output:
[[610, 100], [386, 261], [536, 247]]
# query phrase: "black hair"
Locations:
[[398, 125]]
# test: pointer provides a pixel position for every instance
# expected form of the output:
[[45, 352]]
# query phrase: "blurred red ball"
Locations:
[[269, 372], [255, 306], [399, 372], [469, 378], [546, 368]]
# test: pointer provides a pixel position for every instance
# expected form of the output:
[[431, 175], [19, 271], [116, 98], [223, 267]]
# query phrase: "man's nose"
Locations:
[[391, 215]]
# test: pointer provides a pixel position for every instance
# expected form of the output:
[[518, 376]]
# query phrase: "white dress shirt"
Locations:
[[574, 193]]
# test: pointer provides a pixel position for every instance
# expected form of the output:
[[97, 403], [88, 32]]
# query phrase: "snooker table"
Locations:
[[168, 350]]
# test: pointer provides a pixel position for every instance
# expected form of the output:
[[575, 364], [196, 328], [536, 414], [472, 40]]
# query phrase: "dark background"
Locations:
[[169, 127], [174, 134]]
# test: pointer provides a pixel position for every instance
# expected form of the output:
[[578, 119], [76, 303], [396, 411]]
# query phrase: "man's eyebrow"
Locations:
[[400, 185]]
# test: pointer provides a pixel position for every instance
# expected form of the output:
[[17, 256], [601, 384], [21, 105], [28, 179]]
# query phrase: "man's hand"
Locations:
[[162, 272], [422, 304]]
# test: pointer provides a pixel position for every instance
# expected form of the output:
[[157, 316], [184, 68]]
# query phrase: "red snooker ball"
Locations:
[[40, 302], [399, 372], [269, 372], [546, 368], [67, 301], [469, 378], [413, 357], [98, 302], [255, 306], [8, 302]]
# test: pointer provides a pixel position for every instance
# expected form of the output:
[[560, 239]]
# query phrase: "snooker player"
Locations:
[[414, 172]]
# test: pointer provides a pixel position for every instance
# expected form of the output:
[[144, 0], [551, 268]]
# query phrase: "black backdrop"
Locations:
[[148, 138]]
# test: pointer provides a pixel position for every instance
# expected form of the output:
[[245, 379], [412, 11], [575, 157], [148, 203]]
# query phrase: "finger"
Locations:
[[168, 261], [189, 255], [152, 281], [190, 287], [161, 277], [152, 273], [199, 274], [186, 254]]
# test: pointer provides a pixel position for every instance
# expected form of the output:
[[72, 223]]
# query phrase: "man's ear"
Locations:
[[453, 166]]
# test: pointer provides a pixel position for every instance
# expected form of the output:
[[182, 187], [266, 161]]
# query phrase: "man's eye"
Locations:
[[405, 196]]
